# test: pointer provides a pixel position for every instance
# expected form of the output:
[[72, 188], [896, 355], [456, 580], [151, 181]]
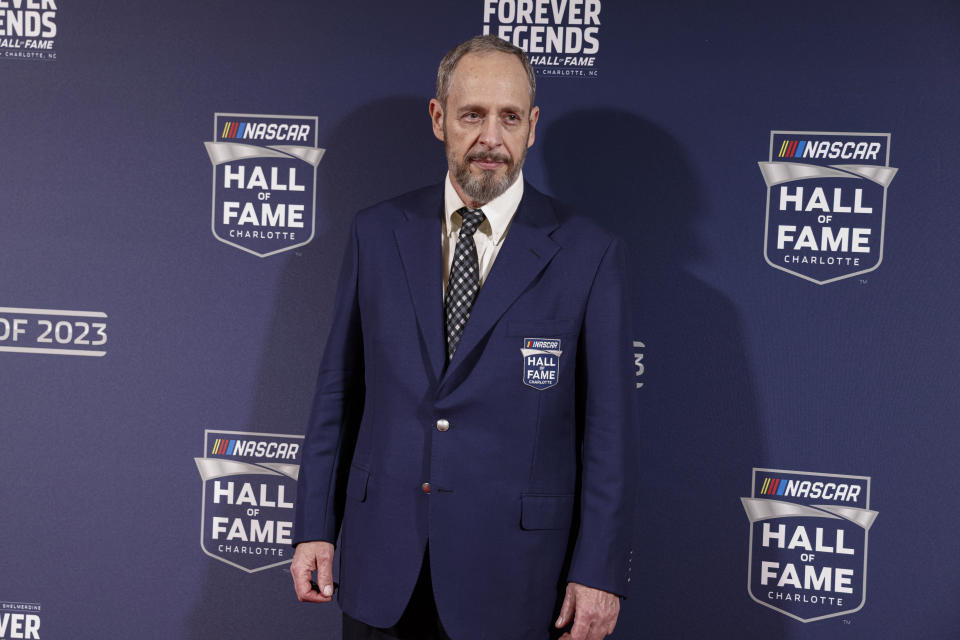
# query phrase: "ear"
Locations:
[[534, 116], [436, 118]]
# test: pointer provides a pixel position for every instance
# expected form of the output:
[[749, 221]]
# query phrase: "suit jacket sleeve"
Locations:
[[601, 557], [336, 412]]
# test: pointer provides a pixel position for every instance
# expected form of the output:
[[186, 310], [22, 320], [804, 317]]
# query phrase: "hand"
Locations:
[[594, 612], [309, 557]]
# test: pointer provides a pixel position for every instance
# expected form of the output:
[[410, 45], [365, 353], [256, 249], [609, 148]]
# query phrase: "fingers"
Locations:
[[568, 612], [598, 632], [583, 629], [301, 584], [580, 629], [593, 612], [325, 576], [567, 608], [308, 557]]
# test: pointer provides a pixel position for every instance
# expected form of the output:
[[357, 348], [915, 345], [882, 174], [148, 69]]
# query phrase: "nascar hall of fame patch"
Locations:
[[826, 203], [264, 181], [19, 620], [808, 542], [28, 30], [541, 362], [561, 37], [249, 483]]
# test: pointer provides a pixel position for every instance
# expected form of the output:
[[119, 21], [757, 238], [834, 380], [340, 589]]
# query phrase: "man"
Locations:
[[471, 428]]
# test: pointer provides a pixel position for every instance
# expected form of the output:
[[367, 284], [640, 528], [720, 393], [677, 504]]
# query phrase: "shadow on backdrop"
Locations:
[[699, 434], [368, 158]]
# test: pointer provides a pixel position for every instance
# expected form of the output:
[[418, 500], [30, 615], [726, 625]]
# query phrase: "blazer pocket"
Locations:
[[541, 329], [546, 512], [357, 483]]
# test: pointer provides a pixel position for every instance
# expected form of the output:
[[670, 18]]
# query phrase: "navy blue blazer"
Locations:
[[528, 476]]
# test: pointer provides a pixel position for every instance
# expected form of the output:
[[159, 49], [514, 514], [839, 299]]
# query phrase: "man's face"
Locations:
[[487, 126]]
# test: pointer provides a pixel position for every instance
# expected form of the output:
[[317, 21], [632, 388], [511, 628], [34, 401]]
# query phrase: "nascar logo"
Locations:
[[255, 448], [808, 542], [846, 150], [826, 203], [264, 181], [805, 488], [249, 480], [542, 344], [541, 362], [233, 129]]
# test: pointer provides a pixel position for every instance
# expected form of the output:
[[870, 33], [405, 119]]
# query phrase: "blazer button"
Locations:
[[426, 487], [443, 425]]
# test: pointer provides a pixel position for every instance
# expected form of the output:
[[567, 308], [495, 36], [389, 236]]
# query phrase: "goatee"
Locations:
[[486, 186]]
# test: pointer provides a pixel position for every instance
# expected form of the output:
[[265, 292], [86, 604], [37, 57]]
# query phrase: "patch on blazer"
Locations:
[[541, 362]]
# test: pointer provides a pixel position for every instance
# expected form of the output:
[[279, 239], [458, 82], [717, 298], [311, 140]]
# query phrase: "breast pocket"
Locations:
[[541, 328]]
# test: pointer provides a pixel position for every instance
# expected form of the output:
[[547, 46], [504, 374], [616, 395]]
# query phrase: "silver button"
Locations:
[[443, 425], [426, 487]]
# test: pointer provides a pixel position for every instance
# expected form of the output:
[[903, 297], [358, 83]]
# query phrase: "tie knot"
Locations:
[[471, 220]]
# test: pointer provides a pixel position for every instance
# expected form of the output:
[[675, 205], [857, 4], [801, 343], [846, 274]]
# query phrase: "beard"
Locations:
[[484, 187]]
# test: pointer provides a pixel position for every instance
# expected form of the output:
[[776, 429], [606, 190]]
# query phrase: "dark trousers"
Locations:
[[419, 621]]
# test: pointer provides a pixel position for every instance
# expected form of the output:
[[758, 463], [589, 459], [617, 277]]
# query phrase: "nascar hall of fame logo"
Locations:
[[561, 37], [264, 181], [19, 620], [808, 542], [28, 29], [541, 362], [826, 203], [249, 483]]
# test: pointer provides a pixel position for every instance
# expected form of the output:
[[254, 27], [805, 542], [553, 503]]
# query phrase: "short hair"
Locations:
[[480, 44]]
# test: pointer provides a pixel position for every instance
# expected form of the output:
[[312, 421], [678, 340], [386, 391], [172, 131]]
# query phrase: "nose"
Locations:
[[490, 134]]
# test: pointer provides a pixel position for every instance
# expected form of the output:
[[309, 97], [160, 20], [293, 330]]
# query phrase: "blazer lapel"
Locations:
[[526, 251], [418, 241]]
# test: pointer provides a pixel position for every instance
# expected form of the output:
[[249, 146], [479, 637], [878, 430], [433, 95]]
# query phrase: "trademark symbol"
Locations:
[[846, 622], [863, 281]]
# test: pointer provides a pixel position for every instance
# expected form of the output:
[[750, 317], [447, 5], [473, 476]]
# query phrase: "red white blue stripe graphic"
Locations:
[[223, 447], [773, 487], [233, 129], [792, 148]]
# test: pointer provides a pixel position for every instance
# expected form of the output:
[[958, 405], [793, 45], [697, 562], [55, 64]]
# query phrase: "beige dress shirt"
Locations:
[[491, 233]]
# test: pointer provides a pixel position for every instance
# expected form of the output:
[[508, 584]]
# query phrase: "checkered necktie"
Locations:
[[464, 279]]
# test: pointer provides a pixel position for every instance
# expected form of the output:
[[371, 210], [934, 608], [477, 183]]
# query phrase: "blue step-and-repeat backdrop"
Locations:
[[781, 175]]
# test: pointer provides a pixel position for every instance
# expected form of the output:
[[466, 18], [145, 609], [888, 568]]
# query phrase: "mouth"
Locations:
[[488, 163]]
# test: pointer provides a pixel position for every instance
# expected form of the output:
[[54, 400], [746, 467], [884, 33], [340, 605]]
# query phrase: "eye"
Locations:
[[471, 116], [511, 118]]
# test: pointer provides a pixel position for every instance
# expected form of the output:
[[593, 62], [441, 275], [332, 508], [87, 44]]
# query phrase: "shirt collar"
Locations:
[[499, 211]]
